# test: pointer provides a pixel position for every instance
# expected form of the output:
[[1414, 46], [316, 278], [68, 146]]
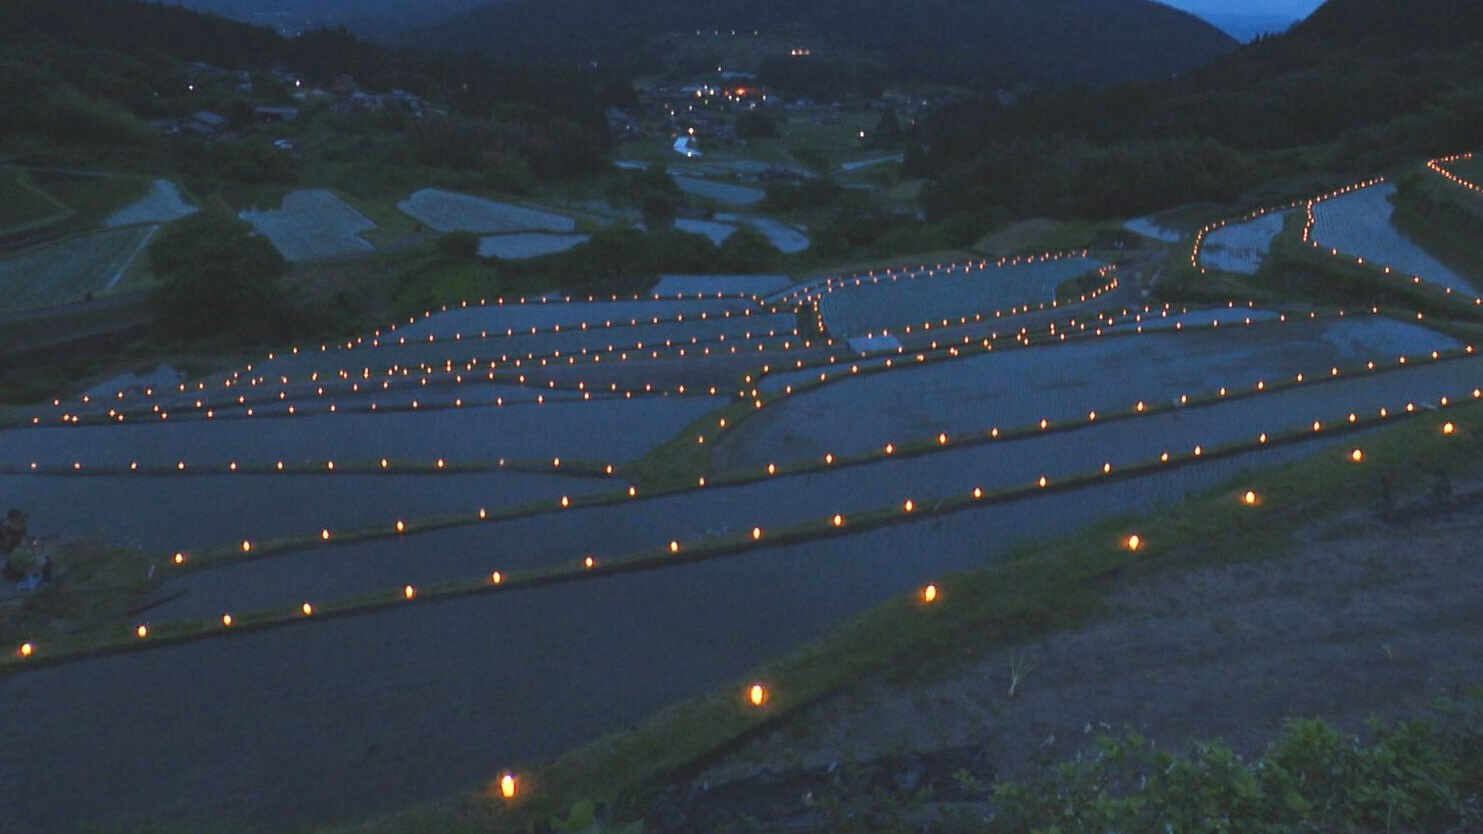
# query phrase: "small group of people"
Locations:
[[24, 562]]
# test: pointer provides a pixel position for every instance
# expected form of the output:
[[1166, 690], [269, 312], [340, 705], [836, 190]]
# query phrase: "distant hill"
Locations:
[[1358, 86], [1248, 27], [990, 43], [366, 17], [1395, 25]]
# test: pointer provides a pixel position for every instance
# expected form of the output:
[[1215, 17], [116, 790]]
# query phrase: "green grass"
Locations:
[[1471, 170], [94, 198], [93, 581], [1444, 218], [22, 206], [392, 226]]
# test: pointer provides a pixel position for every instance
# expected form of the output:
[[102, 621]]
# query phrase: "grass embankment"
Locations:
[[93, 583], [1040, 589], [22, 206], [93, 197], [1446, 219]]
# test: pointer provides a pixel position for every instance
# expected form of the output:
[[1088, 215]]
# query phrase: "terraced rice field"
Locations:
[[312, 224], [449, 211], [162, 204], [1242, 247], [926, 295], [716, 232], [523, 245], [66, 271], [424, 555], [1150, 228], [731, 195], [1359, 224]]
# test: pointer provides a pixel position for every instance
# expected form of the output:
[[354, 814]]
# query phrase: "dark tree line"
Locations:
[[1346, 92]]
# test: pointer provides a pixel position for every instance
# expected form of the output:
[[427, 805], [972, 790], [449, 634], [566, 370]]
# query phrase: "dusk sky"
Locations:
[[1293, 8]]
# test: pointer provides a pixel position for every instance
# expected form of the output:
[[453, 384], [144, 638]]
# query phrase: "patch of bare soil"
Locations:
[[1363, 618]]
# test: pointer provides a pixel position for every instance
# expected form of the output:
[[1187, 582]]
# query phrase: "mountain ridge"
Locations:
[[1001, 43]]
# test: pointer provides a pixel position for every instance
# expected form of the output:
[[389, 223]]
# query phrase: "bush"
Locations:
[[217, 277], [747, 250], [1411, 776], [755, 124], [460, 245]]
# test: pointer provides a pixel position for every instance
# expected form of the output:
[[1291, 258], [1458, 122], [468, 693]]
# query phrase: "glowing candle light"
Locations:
[[1249, 499], [908, 506], [756, 533], [757, 694], [409, 592], [1358, 455], [838, 520], [26, 650], [674, 547], [1135, 543], [226, 620], [307, 609], [142, 631], [246, 546], [1448, 428], [179, 558], [508, 787], [929, 594]]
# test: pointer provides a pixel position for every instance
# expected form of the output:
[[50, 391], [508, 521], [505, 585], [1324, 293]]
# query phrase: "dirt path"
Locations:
[[1365, 618]]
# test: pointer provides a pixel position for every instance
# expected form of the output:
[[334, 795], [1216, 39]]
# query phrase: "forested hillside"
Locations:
[[991, 43], [92, 73], [1359, 85]]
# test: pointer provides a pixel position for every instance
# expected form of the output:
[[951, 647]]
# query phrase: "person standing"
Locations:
[[12, 531]]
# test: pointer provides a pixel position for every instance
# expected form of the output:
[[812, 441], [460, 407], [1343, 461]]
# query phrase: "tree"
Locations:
[[747, 250], [217, 277], [755, 124], [463, 246]]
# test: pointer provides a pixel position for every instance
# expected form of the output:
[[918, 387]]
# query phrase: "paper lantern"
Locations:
[[226, 620], [1135, 543], [496, 578], [757, 694], [508, 787], [179, 558], [1449, 428], [409, 592], [1249, 499], [26, 649], [1358, 455], [142, 631], [838, 520], [307, 609], [929, 594]]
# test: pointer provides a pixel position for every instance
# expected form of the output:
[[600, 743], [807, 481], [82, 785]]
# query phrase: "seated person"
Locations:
[[27, 567], [12, 531]]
